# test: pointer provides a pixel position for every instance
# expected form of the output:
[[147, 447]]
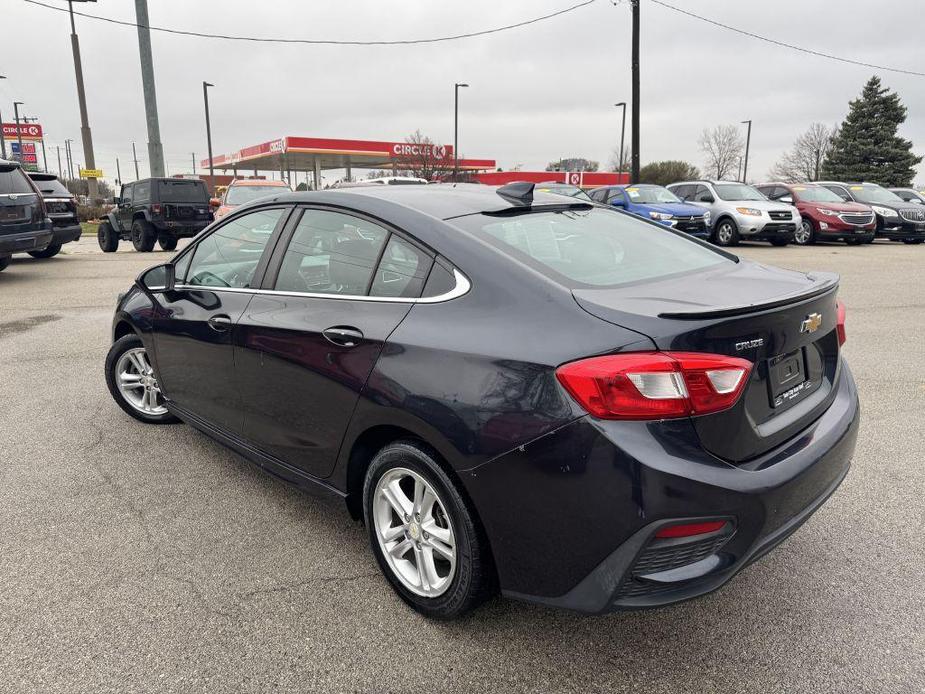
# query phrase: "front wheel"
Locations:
[[727, 233], [806, 234], [107, 238], [143, 236], [49, 252], [133, 383], [912, 242], [423, 534], [780, 242]]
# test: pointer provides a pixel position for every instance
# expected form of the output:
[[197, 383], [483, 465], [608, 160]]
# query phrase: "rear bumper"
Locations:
[[180, 229], [66, 233], [25, 241], [591, 496]]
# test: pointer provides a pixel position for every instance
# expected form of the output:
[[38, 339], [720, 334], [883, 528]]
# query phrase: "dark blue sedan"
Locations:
[[657, 204]]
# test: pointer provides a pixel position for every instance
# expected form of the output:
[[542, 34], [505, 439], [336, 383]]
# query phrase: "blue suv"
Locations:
[[657, 204]]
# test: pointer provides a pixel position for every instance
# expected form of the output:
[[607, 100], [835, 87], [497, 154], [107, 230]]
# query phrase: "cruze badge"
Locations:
[[749, 344], [811, 323]]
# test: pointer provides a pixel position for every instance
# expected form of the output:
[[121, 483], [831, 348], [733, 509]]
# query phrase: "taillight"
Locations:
[[840, 323], [655, 385], [690, 529], [155, 208]]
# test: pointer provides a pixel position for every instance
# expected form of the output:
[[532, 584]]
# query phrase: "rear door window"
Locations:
[[402, 270], [593, 248]]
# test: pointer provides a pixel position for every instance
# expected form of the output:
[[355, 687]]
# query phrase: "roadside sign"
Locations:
[[27, 131], [91, 173], [27, 157]]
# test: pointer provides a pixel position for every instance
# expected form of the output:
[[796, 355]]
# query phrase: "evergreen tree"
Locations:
[[866, 146]]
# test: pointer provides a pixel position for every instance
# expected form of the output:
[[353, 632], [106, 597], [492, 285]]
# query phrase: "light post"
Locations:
[[87, 138], [16, 105], [205, 98], [456, 128], [748, 141], [622, 132], [2, 138]]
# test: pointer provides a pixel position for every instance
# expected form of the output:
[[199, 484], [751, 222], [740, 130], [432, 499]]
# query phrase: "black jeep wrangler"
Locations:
[[156, 209]]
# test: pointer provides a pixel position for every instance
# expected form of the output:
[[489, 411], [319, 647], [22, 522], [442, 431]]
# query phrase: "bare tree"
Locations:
[[723, 147], [424, 159], [573, 164], [616, 159], [804, 161]]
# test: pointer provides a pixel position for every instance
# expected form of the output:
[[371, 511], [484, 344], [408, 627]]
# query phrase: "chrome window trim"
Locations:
[[463, 285]]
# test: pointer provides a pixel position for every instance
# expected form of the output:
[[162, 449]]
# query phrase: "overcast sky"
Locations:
[[537, 93]]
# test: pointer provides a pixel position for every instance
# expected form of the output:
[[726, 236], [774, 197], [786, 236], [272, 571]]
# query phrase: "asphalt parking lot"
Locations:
[[139, 558]]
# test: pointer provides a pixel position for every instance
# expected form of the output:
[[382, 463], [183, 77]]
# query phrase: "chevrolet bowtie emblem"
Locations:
[[811, 323]]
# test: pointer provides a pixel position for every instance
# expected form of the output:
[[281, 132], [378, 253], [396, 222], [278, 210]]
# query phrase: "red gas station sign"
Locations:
[[27, 131]]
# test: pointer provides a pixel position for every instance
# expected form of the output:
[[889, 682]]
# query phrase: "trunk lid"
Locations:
[[781, 320]]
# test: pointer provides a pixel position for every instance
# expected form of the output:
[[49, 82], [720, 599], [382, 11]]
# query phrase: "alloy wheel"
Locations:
[[803, 235], [138, 384], [415, 532], [724, 233]]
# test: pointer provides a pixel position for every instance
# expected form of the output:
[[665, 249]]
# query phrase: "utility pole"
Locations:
[[155, 148], [118, 173], [60, 172], [2, 138], [193, 155], [456, 129], [205, 97], [44, 157], [135, 157], [622, 133], [70, 161], [16, 105], [89, 159], [634, 140], [748, 141]]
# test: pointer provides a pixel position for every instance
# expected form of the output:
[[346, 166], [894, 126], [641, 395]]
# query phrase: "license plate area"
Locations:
[[787, 380], [12, 214]]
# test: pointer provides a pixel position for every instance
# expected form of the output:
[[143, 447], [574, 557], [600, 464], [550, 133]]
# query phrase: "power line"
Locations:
[[325, 42], [787, 45]]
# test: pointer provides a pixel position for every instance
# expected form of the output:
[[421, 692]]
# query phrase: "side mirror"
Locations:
[[215, 202], [618, 202], [706, 198], [116, 200], [160, 278], [788, 199]]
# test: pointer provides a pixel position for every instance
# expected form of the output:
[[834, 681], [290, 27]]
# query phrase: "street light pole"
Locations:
[[748, 141], [16, 105], [456, 129], [2, 138], [205, 97], [622, 133], [634, 143], [135, 157], [89, 159]]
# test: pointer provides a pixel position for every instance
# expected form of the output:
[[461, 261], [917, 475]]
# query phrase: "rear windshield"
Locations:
[[51, 186], [593, 248], [182, 191], [13, 181], [238, 195]]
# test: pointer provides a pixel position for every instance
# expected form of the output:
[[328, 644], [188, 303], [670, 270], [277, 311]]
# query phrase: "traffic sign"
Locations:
[[91, 173]]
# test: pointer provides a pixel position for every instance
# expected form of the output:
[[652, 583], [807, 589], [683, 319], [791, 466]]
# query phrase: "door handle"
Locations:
[[343, 336], [220, 323]]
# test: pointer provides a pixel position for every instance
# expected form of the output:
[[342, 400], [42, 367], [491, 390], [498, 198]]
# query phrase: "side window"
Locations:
[[617, 194], [402, 270], [127, 195], [839, 191], [229, 255], [766, 191], [180, 268], [440, 281], [599, 195], [682, 192], [142, 192], [702, 194], [331, 253]]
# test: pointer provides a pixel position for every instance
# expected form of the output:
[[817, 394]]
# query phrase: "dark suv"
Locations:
[[897, 220], [24, 223], [62, 211], [156, 209]]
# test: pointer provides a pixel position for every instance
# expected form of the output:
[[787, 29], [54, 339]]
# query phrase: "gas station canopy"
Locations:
[[316, 154]]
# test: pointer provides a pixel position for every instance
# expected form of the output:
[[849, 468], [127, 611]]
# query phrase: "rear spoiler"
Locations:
[[824, 283]]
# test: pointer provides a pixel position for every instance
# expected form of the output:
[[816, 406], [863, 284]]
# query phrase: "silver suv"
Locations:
[[740, 212]]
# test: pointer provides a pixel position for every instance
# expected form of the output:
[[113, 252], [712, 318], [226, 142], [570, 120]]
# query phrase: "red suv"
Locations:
[[826, 217]]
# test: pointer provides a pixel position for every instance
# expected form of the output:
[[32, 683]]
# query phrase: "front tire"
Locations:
[[727, 232], [107, 238], [424, 534], [806, 234], [143, 236], [5, 262], [133, 383], [912, 242], [780, 243], [49, 252], [167, 242]]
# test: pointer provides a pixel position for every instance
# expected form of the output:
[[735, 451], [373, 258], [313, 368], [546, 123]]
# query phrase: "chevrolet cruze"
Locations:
[[516, 392]]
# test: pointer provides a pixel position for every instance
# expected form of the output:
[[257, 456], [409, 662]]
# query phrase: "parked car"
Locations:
[[383, 181], [824, 215], [156, 209], [909, 195], [563, 189], [512, 389], [658, 204], [61, 207], [244, 190], [897, 220], [740, 213], [24, 223]]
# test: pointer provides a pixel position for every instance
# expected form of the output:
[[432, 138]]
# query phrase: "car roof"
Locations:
[[440, 200], [257, 182]]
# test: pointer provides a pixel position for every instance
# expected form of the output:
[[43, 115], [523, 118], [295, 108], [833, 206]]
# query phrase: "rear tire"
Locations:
[[454, 587], [726, 233], [143, 236], [107, 238], [5, 262], [167, 243], [912, 242], [121, 366], [49, 252]]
